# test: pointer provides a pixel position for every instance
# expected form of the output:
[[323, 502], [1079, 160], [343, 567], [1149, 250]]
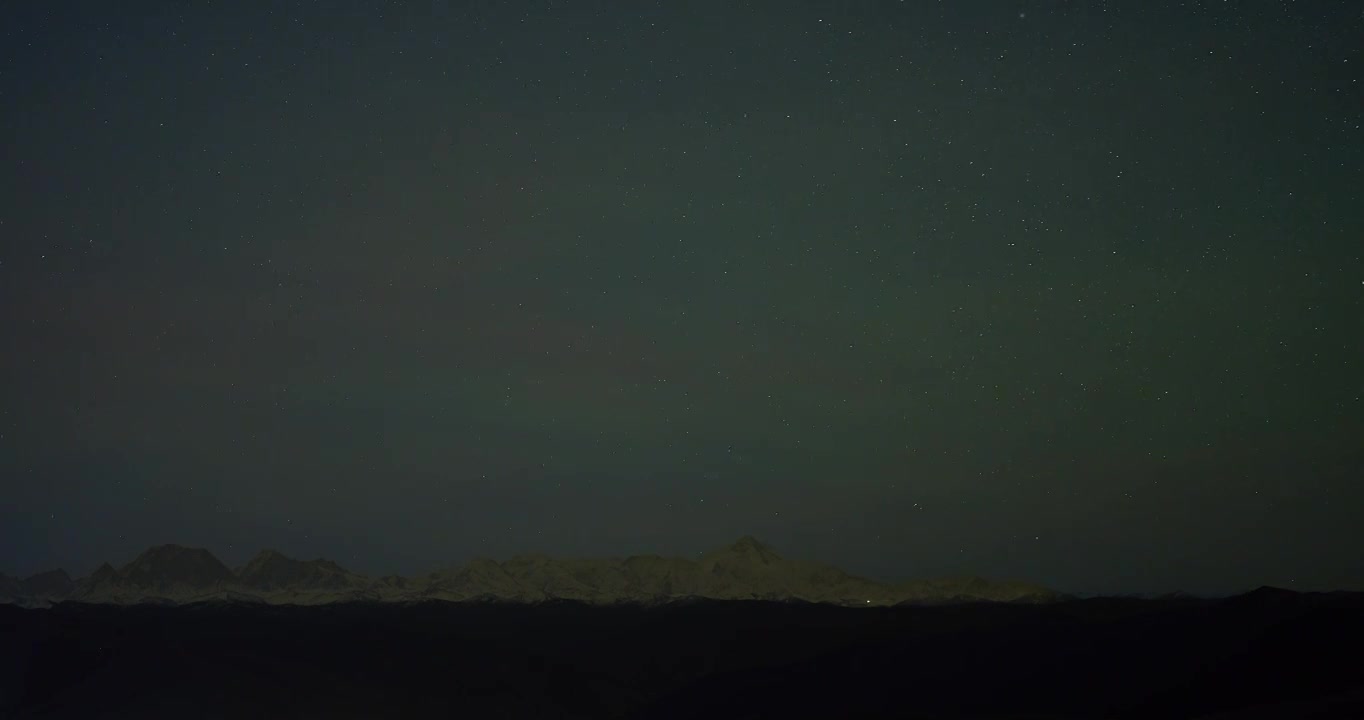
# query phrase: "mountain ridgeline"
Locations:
[[746, 570]]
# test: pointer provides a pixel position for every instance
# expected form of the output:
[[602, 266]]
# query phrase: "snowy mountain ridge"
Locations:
[[746, 570]]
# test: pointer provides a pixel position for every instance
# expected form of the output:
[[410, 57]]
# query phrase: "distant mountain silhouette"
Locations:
[[271, 570], [746, 550], [53, 583], [35, 589], [745, 570], [165, 573], [170, 567]]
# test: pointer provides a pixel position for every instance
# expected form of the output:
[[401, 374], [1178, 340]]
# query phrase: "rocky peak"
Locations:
[[747, 549], [271, 569], [165, 565], [53, 583], [269, 554], [264, 559]]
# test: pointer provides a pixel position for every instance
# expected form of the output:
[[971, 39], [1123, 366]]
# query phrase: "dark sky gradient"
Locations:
[[1064, 290]]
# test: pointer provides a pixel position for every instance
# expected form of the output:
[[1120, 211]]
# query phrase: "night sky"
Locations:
[[1063, 290]]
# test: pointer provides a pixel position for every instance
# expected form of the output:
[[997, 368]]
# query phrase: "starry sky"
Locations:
[[1063, 290]]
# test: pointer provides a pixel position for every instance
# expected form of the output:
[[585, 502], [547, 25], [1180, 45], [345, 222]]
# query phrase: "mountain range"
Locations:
[[745, 570]]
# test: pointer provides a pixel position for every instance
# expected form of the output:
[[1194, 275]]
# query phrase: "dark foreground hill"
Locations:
[[1266, 654]]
